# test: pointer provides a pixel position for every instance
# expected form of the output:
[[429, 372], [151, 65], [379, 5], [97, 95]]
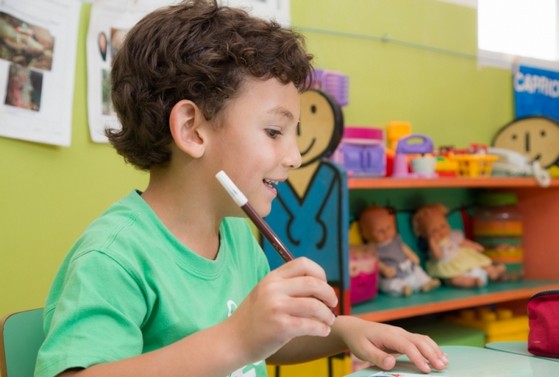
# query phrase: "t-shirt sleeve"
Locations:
[[97, 319]]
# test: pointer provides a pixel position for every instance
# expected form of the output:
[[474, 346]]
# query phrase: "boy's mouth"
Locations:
[[270, 183]]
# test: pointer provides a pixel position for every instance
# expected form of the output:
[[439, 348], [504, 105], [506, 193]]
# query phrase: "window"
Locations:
[[519, 31]]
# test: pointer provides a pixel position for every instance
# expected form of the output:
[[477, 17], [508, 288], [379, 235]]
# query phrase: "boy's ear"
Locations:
[[185, 122]]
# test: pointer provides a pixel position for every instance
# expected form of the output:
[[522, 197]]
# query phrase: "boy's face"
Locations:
[[256, 144], [437, 227]]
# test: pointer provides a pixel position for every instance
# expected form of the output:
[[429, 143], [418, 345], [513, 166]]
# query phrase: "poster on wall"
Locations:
[[536, 92], [37, 63], [109, 22]]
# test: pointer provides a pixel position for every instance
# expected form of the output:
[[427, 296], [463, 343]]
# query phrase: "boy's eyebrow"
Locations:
[[279, 110]]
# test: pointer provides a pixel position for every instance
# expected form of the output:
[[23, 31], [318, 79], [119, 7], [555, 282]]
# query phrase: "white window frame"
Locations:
[[508, 61]]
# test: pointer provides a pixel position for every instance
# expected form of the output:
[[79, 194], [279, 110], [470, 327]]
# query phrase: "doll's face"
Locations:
[[378, 227], [437, 227]]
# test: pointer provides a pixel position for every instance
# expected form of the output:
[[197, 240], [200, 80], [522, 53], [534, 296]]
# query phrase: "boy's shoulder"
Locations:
[[127, 220]]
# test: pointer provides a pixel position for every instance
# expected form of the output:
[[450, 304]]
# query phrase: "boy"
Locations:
[[169, 281]]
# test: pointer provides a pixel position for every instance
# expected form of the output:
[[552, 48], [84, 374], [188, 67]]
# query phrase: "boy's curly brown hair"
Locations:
[[194, 50]]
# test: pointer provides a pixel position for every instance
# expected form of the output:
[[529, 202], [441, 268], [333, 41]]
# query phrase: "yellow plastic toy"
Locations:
[[499, 324]]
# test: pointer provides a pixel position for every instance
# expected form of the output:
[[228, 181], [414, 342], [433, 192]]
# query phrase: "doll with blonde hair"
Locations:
[[452, 257], [399, 269]]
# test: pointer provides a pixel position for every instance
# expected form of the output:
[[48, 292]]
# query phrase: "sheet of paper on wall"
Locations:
[[109, 22], [37, 64]]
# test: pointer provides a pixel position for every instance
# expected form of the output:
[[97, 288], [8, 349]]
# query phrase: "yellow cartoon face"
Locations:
[[537, 138], [321, 126]]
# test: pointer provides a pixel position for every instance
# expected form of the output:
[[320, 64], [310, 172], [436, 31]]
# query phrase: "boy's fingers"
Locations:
[[380, 358], [302, 267], [306, 286], [310, 308]]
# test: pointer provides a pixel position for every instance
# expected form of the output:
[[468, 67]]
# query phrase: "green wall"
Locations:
[[49, 194], [440, 89], [425, 75]]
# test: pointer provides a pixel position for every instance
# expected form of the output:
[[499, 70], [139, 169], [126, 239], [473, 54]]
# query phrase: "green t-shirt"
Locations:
[[128, 286]]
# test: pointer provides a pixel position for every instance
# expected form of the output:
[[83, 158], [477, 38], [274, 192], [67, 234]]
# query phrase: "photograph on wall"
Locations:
[[37, 64], [109, 22], [24, 88]]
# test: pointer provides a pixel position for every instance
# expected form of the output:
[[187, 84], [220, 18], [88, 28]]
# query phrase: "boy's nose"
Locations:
[[293, 157]]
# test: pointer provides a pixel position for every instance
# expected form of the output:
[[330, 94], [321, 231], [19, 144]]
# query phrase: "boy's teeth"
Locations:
[[270, 182]]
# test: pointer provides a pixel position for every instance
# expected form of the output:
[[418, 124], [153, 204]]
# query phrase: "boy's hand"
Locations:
[[377, 343], [291, 301]]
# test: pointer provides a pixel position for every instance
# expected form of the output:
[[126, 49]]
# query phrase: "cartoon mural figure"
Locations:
[[534, 137], [310, 214]]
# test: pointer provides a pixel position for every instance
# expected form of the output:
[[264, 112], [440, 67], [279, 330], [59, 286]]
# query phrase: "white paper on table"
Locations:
[[37, 64]]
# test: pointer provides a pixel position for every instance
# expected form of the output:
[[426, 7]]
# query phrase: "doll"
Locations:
[[452, 257], [399, 269]]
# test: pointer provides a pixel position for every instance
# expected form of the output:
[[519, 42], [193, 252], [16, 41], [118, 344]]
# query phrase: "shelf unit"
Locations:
[[448, 182], [540, 210]]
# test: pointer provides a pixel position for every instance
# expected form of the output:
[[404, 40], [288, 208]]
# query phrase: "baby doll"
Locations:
[[399, 269], [452, 257]]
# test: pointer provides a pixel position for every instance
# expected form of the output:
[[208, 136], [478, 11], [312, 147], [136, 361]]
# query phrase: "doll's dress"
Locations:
[[456, 260], [407, 274]]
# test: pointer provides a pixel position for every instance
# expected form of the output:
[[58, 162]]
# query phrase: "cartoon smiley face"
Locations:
[[537, 138], [321, 127]]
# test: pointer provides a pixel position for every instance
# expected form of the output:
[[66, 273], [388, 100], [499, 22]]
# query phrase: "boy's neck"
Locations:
[[171, 198]]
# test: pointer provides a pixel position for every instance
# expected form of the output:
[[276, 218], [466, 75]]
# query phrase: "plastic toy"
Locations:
[[400, 272], [474, 165], [452, 257], [498, 325], [414, 144], [396, 130], [513, 163], [361, 152], [363, 273], [334, 83]]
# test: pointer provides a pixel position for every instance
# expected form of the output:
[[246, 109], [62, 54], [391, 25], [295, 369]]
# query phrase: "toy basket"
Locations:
[[334, 83], [474, 165]]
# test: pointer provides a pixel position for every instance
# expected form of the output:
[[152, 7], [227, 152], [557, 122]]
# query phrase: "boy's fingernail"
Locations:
[[427, 368], [387, 363]]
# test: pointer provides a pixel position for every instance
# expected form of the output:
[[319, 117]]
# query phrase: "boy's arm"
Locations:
[[194, 355], [369, 341], [291, 301]]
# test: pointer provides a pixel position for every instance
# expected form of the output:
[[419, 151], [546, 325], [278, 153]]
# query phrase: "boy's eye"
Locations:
[[273, 133]]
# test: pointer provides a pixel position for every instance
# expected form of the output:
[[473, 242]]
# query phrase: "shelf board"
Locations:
[[444, 182], [387, 308]]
